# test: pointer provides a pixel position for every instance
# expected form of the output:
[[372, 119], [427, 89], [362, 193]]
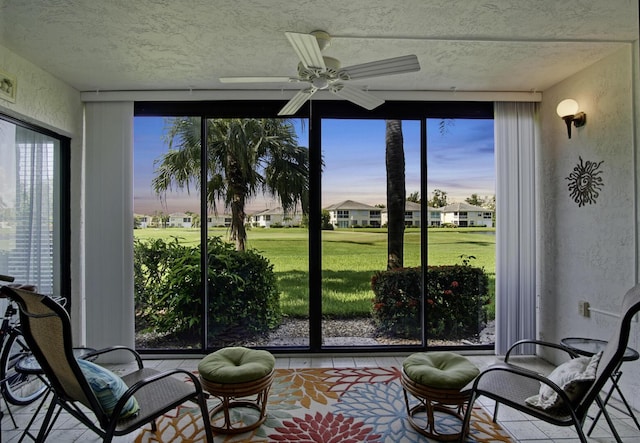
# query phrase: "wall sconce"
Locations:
[[568, 110]]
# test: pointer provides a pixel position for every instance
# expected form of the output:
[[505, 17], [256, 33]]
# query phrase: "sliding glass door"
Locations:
[[34, 207], [460, 279], [368, 167], [167, 222], [257, 233], [333, 232]]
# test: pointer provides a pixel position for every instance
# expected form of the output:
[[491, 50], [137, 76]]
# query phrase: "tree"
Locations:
[[326, 220], [160, 219], [475, 200], [445, 124], [396, 193], [245, 157], [490, 202], [414, 197], [438, 199], [195, 219]]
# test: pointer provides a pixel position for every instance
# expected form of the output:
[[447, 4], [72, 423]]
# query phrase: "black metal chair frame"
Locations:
[[47, 330], [510, 384]]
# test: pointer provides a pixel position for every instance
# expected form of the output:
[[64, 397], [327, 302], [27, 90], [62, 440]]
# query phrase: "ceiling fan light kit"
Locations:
[[325, 73]]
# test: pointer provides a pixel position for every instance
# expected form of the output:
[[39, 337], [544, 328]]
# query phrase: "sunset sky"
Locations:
[[460, 162]]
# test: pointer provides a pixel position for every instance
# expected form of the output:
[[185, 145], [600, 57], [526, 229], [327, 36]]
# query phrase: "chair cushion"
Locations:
[[574, 377], [108, 388], [445, 370], [236, 365]]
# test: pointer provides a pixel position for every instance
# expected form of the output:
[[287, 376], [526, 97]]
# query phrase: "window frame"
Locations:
[[62, 178], [329, 109]]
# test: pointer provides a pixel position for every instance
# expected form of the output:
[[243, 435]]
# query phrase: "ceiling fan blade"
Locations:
[[297, 101], [257, 79], [307, 48], [389, 66], [355, 95]]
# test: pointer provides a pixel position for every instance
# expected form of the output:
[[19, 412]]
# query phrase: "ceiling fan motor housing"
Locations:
[[321, 78]]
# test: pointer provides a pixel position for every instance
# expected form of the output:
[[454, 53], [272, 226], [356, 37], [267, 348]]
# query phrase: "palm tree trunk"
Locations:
[[238, 231], [237, 189], [396, 194]]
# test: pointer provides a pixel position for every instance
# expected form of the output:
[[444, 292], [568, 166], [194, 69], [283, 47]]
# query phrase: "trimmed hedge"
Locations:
[[453, 301], [242, 289]]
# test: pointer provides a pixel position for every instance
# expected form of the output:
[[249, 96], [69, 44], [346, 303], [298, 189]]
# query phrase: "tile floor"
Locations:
[[522, 428]]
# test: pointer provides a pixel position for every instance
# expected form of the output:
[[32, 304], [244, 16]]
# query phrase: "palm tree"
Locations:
[[245, 157], [396, 193]]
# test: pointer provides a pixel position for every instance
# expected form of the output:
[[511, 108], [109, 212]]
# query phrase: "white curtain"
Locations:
[[27, 205], [108, 224], [516, 136]]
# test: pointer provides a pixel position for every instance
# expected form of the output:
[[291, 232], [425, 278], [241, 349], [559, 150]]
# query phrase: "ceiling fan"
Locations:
[[323, 72]]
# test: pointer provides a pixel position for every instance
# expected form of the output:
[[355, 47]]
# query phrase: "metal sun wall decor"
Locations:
[[585, 182]]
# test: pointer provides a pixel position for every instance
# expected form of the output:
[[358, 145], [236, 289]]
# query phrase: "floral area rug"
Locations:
[[325, 405]]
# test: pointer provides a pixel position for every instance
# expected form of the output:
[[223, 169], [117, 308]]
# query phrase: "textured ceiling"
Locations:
[[467, 45]]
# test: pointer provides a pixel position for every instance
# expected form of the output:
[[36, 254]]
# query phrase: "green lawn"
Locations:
[[349, 259]]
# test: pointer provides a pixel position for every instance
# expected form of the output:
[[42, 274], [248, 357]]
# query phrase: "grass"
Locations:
[[349, 259]]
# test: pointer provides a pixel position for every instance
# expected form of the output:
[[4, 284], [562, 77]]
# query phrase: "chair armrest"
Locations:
[[546, 344], [150, 380], [102, 351], [518, 371], [164, 374]]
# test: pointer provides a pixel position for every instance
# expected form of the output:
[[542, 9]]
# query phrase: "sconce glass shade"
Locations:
[[567, 107]]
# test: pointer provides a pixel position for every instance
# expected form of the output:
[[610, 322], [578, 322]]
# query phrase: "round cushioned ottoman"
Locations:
[[435, 380], [232, 374]]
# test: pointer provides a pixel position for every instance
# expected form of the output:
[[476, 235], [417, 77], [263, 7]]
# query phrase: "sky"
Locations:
[[460, 162]]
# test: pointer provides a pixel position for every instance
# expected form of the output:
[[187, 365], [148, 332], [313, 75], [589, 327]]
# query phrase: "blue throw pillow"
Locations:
[[108, 387]]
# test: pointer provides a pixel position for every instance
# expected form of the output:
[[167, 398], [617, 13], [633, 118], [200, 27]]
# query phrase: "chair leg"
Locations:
[[607, 417], [204, 410], [467, 417], [13, 420], [47, 423], [495, 412]]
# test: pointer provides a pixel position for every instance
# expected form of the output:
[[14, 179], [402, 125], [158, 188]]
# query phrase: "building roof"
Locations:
[[273, 211], [278, 210], [464, 207], [412, 206], [350, 204]]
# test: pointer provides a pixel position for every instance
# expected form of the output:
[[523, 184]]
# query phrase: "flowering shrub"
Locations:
[[453, 301]]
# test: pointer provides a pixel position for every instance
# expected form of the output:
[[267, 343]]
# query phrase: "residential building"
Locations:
[[465, 215], [144, 221], [218, 220], [275, 216], [412, 215], [349, 213], [180, 220], [435, 216]]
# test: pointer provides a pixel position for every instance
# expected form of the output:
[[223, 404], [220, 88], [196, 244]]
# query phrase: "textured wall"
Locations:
[[45, 101], [588, 252], [41, 98]]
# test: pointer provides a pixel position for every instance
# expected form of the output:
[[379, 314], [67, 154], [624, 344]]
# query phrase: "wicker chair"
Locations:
[[511, 385], [47, 329]]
